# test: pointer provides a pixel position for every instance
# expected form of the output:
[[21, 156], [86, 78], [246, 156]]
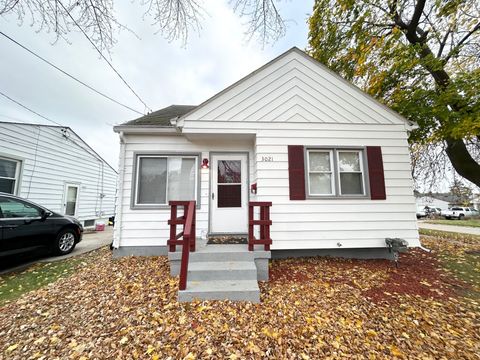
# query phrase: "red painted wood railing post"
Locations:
[[267, 228], [188, 242], [173, 227], [250, 227], [264, 222]]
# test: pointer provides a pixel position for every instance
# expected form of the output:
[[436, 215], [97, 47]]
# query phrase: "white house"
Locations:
[[333, 161], [431, 201], [54, 167]]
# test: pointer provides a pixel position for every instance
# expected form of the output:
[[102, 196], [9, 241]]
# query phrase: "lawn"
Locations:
[[467, 222], [13, 285], [312, 308]]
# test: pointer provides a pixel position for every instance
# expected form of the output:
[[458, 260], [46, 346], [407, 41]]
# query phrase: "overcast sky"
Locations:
[[161, 72]]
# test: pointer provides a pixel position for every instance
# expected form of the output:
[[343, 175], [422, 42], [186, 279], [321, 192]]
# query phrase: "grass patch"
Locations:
[[466, 268], [468, 222], [448, 235], [13, 285]]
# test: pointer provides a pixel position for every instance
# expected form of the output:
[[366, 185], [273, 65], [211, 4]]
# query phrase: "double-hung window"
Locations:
[[162, 178], [335, 172], [9, 175]]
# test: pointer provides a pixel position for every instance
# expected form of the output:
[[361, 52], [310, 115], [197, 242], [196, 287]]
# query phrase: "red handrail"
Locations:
[[188, 234], [264, 223]]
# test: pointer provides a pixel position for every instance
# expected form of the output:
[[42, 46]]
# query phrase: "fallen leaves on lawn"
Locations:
[[312, 309]]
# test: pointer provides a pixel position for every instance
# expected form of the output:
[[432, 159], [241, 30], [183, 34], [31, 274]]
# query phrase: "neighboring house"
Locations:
[[333, 161], [54, 167], [430, 201]]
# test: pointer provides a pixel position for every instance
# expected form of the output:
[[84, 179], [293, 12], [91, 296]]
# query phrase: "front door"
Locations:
[[229, 194], [70, 199]]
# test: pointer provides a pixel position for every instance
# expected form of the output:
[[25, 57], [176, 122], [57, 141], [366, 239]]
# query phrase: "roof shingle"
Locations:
[[163, 116]]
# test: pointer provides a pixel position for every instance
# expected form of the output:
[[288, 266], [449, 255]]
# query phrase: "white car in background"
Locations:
[[458, 212]]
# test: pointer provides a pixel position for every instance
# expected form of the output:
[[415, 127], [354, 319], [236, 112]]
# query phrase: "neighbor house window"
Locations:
[[335, 172], [9, 174], [160, 179]]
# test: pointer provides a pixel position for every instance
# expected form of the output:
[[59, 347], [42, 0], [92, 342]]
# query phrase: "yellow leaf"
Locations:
[[371, 333], [155, 357], [405, 335], [123, 340], [150, 349], [209, 351], [304, 356], [12, 347], [233, 357], [395, 351], [189, 356]]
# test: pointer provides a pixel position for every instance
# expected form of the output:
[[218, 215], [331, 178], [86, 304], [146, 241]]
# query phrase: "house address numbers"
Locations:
[[267, 158]]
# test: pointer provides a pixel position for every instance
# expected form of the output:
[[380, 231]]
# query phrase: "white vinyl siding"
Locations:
[[149, 227], [49, 160]]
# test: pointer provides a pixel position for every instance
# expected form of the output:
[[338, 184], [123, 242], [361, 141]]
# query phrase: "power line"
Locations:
[[101, 54], [69, 75], [27, 108]]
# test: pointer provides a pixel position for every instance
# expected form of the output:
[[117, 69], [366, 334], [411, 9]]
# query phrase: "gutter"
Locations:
[[121, 171], [144, 129]]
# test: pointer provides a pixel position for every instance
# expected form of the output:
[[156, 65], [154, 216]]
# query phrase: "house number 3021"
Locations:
[[267, 158]]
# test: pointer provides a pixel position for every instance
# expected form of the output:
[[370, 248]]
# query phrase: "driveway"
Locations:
[[451, 228], [91, 241]]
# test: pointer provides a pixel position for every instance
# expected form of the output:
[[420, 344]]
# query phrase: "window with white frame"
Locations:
[[160, 179], [9, 175], [335, 172]]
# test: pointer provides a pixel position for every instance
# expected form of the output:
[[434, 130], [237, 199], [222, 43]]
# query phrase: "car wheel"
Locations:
[[65, 242], [461, 216]]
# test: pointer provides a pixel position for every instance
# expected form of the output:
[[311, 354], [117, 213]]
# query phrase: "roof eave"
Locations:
[[139, 129]]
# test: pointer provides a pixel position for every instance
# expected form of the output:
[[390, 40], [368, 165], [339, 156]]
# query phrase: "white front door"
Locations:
[[229, 194], [70, 199]]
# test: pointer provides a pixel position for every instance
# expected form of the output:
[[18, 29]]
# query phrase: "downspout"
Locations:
[[121, 179]]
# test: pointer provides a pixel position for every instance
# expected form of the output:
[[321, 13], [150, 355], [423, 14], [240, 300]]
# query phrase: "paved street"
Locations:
[[451, 228]]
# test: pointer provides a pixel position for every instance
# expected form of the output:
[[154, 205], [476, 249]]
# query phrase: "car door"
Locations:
[[22, 226]]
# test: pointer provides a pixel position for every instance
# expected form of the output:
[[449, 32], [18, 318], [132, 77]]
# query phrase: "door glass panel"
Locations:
[[229, 196], [229, 171], [71, 200]]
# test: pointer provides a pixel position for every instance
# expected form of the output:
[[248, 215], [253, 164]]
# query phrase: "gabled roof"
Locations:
[[353, 88], [94, 153], [162, 117]]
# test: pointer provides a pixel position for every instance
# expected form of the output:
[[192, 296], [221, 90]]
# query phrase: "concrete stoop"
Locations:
[[222, 272]]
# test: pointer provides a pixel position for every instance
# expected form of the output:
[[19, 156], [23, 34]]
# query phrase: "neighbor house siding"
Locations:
[[49, 160], [148, 227]]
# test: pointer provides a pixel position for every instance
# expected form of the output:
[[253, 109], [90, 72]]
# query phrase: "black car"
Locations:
[[28, 227]]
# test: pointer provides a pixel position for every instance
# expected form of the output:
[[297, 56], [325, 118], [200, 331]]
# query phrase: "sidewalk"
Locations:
[[450, 228]]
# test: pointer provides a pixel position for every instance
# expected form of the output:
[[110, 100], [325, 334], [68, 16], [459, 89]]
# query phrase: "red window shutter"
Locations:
[[296, 172], [375, 173]]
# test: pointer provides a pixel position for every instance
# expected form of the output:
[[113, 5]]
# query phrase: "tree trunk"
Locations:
[[462, 161], [457, 151]]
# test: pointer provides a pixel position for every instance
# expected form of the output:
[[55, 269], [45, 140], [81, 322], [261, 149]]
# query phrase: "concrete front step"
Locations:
[[235, 290], [222, 270], [221, 255]]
